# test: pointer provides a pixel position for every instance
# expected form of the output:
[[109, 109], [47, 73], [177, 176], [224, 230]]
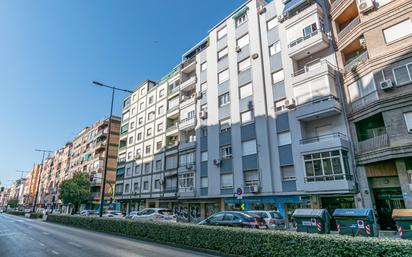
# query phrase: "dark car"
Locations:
[[235, 219]]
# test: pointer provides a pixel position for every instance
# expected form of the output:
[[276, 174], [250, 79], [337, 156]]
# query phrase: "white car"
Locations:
[[132, 214], [88, 213], [113, 214], [156, 214], [274, 219]]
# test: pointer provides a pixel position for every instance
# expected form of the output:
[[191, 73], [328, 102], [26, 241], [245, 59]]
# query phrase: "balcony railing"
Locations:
[[323, 138], [323, 178], [188, 82], [174, 89], [355, 62], [302, 39], [313, 65], [187, 121], [318, 100], [373, 143], [348, 28]]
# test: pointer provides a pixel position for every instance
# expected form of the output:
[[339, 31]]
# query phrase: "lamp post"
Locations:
[[39, 176], [108, 141]]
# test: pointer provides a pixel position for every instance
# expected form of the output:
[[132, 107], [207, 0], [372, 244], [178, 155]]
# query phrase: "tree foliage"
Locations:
[[12, 203], [75, 190]]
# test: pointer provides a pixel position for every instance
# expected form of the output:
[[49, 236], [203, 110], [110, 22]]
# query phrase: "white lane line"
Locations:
[[40, 243], [7, 234], [56, 253], [46, 233], [74, 244]]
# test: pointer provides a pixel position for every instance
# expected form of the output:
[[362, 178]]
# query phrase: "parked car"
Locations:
[[273, 219], [156, 214], [235, 219], [132, 214], [112, 214], [88, 213]]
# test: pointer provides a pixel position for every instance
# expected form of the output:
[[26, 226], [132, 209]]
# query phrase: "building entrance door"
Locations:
[[387, 199]]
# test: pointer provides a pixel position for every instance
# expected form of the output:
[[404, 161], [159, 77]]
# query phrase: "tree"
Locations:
[[74, 191], [12, 203]]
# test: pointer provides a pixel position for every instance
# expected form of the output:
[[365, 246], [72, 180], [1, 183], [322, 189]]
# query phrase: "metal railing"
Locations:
[[302, 39], [323, 138], [355, 62], [348, 28], [319, 100], [306, 68], [332, 177], [373, 143], [191, 80]]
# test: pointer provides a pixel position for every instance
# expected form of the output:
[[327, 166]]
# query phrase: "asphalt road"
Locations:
[[21, 237]]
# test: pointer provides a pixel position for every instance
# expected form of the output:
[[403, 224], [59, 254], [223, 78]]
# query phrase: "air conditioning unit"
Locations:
[[238, 49], [199, 95], [203, 114], [281, 18], [262, 10], [365, 5], [290, 103], [386, 85], [216, 162], [255, 56], [252, 189]]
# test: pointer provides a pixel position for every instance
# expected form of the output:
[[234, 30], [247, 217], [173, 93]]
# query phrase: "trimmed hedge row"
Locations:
[[243, 242], [22, 213], [36, 215], [16, 213]]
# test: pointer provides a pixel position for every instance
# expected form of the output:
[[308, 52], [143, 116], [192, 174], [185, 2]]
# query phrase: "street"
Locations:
[[21, 237]]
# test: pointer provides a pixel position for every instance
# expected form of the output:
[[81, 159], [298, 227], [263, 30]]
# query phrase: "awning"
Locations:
[[240, 12], [292, 4]]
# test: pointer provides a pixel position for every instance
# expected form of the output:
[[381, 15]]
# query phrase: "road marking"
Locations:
[[40, 243], [46, 233], [74, 244], [7, 234], [56, 253], [31, 238]]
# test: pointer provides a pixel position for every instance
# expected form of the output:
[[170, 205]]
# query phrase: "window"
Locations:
[[222, 54], [274, 48], [243, 41], [171, 162], [403, 74], [249, 147], [126, 188], [408, 121], [125, 115], [203, 156], [146, 185], [147, 167], [159, 165], [246, 90], [187, 159], [314, 89], [151, 115], [143, 91], [128, 171], [226, 152], [284, 138], [138, 152], [247, 117], [137, 169], [124, 129], [204, 182], [161, 92], [224, 125], [133, 111], [140, 120], [226, 180], [157, 184], [272, 23], [326, 166], [161, 109], [186, 180], [241, 19], [136, 187], [398, 31], [149, 132], [158, 145], [224, 99], [221, 33], [244, 65], [159, 127], [280, 106], [203, 66], [277, 76], [148, 149], [139, 136], [309, 29], [141, 106], [251, 177], [132, 125], [130, 140], [363, 91], [203, 107], [151, 99], [223, 76], [203, 87]]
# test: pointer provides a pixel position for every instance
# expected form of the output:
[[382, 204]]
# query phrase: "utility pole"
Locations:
[[41, 171], [108, 141]]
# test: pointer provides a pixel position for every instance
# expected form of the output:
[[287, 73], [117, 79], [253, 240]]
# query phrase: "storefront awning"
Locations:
[[292, 4], [240, 12]]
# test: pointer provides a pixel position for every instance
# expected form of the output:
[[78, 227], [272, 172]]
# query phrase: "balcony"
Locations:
[[186, 192], [189, 65], [172, 129], [348, 28], [187, 123], [318, 108], [312, 70], [353, 64], [187, 101], [372, 144], [191, 81], [101, 145], [323, 142], [173, 90], [308, 44]]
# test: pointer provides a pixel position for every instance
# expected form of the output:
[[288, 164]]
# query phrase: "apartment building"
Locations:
[[32, 183], [256, 107], [374, 50]]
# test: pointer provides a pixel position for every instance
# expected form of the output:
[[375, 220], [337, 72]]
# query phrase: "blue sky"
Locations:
[[50, 51]]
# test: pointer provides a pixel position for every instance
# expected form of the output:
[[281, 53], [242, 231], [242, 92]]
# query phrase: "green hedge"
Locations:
[[243, 242], [16, 213], [22, 213], [36, 215]]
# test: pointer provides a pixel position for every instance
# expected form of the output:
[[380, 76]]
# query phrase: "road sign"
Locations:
[[239, 193], [313, 221], [361, 224]]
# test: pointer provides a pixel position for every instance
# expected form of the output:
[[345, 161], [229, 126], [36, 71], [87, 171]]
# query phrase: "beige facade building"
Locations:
[[374, 50]]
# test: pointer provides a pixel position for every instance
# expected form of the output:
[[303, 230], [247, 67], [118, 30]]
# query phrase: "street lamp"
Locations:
[[108, 141], [39, 176]]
